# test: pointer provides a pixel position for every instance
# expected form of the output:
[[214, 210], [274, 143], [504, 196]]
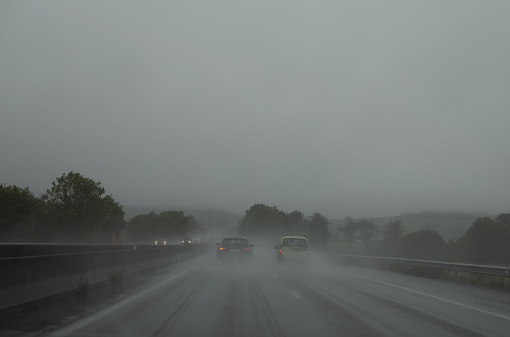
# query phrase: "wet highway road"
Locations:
[[209, 298]]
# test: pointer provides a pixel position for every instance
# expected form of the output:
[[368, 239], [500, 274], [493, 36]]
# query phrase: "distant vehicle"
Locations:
[[292, 249], [186, 241], [160, 242], [234, 247], [201, 234]]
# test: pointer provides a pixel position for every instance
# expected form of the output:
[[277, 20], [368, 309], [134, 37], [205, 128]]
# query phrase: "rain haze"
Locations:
[[347, 108]]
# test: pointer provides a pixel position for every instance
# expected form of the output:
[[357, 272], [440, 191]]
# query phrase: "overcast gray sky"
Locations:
[[347, 108]]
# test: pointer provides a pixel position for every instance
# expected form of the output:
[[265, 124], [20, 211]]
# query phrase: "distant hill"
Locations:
[[450, 225]]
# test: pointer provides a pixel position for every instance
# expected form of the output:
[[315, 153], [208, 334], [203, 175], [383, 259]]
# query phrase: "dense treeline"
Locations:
[[262, 220], [485, 242], [77, 210], [74, 210], [168, 224]]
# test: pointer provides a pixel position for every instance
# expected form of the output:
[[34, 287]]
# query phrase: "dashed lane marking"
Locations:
[[467, 306]]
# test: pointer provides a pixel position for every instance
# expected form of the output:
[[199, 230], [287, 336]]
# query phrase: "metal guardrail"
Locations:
[[462, 267]]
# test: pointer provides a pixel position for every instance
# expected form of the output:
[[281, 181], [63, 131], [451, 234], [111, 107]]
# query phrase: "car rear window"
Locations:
[[235, 242], [290, 242]]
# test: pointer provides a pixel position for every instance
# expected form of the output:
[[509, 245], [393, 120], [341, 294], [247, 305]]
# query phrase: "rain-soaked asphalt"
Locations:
[[206, 297]]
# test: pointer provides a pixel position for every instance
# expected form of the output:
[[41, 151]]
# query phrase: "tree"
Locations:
[[424, 244], [143, 227], [393, 231], [261, 219], [174, 223], [296, 223], [80, 212], [486, 241], [349, 229], [19, 213], [392, 234], [72, 191], [503, 219], [367, 230], [167, 224], [318, 232], [363, 230]]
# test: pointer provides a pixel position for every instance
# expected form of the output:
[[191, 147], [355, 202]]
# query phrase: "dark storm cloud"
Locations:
[[346, 108]]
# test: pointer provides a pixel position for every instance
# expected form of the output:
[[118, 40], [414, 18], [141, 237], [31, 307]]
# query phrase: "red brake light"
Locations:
[[281, 251], [247, 248]]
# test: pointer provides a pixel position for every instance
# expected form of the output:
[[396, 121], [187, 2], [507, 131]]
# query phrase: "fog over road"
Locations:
[[206, 297]]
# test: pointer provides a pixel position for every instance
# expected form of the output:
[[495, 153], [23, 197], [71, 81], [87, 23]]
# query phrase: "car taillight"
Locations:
[[281, 251], [247, 248]]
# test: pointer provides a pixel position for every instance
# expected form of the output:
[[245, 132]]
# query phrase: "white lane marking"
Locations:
[[295, 294], [66, 331], [467, 306]]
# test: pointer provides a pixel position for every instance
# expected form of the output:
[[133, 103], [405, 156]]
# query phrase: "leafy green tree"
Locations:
[[393, 231], [503, 219], [486, 241], [424, 244], [260, 219], [175, 223], [349, 229], [363, 230], [80, 212], [167, 224], [19, 213], [392, 234], [318, 232], [191, 222], [367, 230], [296, 223], [143, 227]]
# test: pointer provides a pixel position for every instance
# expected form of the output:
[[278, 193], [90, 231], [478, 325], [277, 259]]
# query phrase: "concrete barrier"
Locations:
[[28, 278]]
